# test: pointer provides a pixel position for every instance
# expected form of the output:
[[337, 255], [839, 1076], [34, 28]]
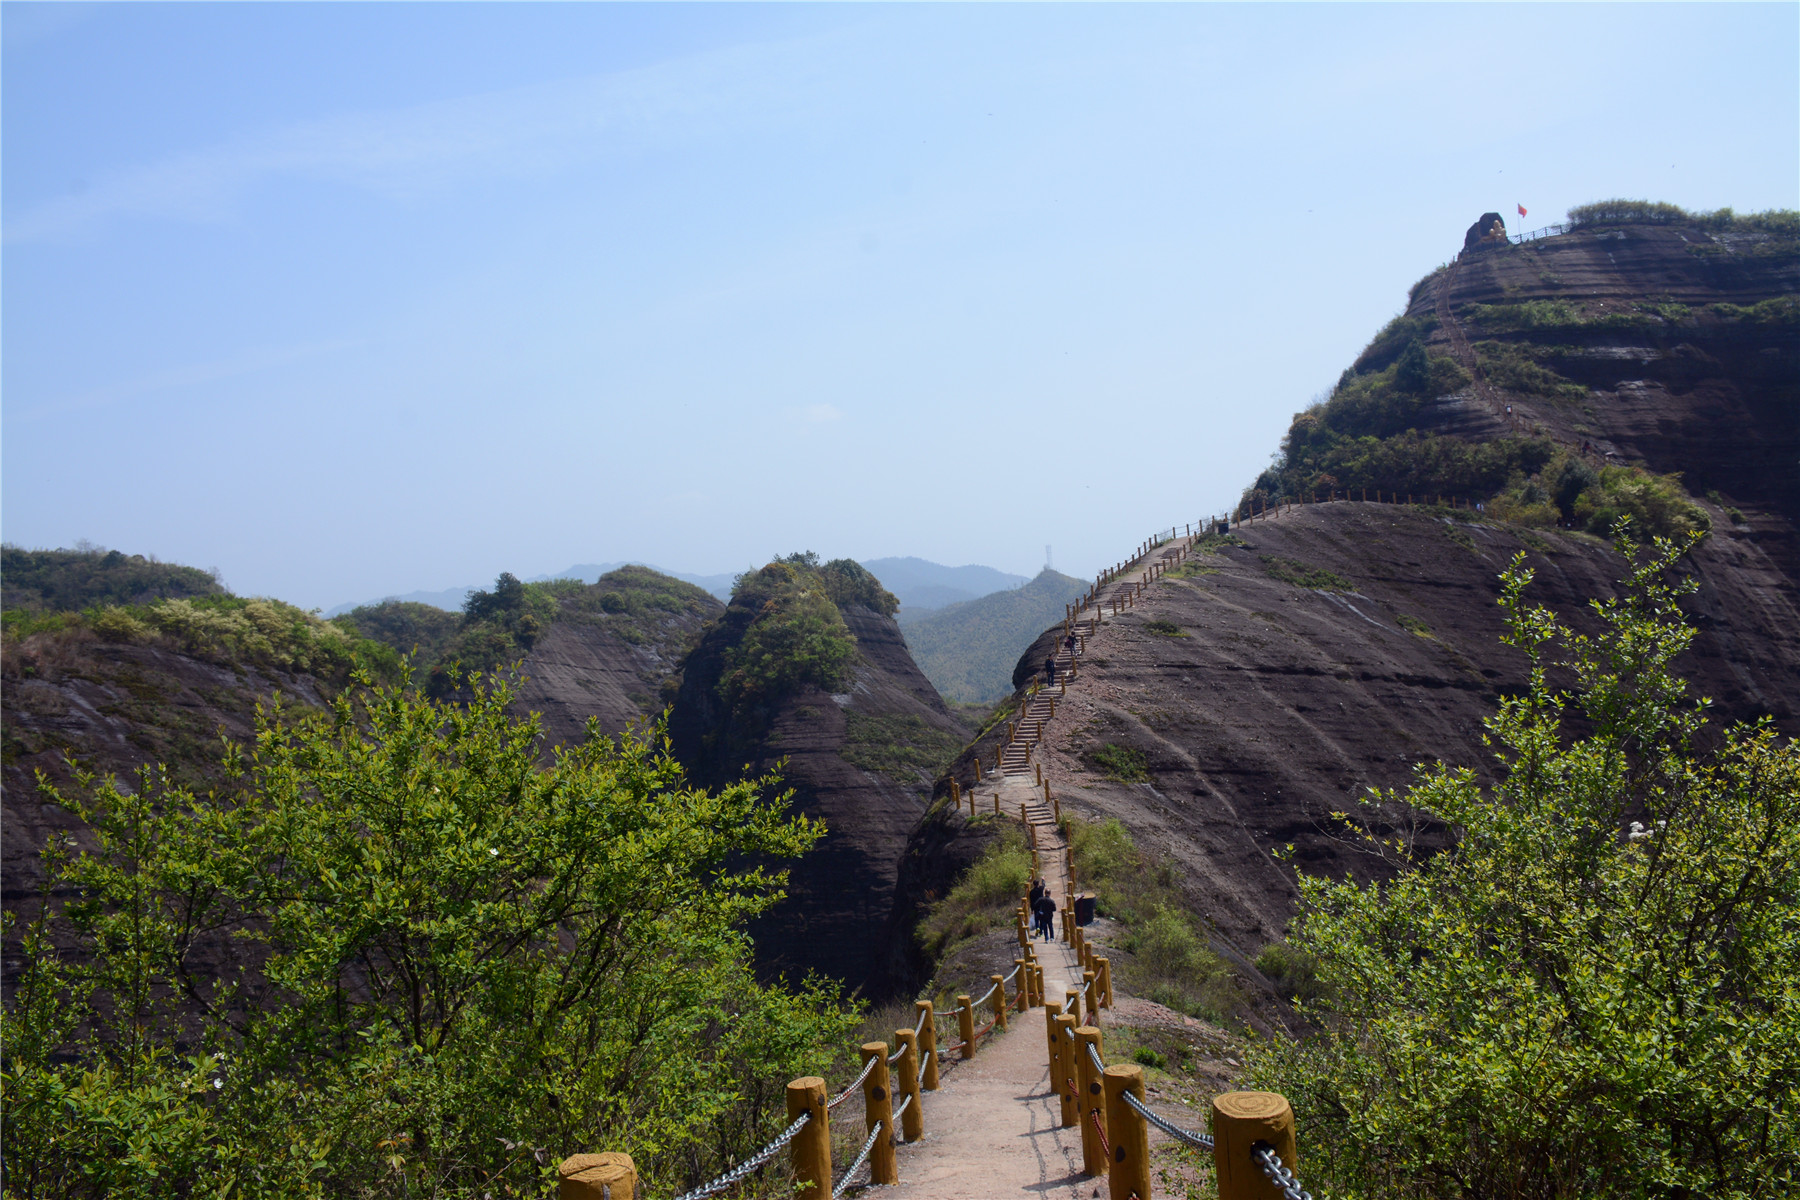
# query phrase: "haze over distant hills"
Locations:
[[969, 650], [922, 586]]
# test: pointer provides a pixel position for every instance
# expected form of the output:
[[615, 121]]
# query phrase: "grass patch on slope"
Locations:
[[984, 898], [1304, 575], [902, 747], [1166, 956]]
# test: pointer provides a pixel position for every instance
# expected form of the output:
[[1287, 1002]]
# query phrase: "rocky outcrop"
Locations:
[[862, 760]]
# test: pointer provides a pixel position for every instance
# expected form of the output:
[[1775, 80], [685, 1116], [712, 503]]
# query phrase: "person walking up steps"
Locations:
[[1045, 911], [1050, 671]]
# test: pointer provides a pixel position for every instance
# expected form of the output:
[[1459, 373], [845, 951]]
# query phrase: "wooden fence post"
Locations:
[[878, 1103], [604, 1176], [1128, 1174], [928, 1058], [912, 1121], [1093, 997], [810, 1151], [1092, 1102], [965, 1025], [1240, 1120], [1063, 1025], [1103, 969]]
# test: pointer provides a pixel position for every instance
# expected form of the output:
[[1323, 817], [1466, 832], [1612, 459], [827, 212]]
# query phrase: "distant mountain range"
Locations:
[[968, 650], [921, 586]]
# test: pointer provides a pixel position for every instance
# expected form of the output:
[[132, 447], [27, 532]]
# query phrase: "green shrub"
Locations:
[[1614, 938], [1657, 505], [1303, 575], [1164, 629], [1121, 763], [1294, 973], [91, 576], [1171, 964], [984, 898], [448, 967], [849, 582], [902, 747], [1514, 367]]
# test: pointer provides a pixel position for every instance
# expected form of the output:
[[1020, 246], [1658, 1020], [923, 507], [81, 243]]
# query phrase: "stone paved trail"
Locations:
[[994, 1128]]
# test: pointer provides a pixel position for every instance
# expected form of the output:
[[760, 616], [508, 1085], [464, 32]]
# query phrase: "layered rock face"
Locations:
[[1343, 644], [1688, 339], [862, 760], [1261, 705]]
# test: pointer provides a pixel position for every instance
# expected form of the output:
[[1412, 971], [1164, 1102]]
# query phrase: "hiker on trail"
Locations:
[[1037, 893], [1050, 671], [1046, 913], [1069, 643]]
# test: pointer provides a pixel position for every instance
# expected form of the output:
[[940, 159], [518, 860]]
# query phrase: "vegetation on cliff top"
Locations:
[[39, 581], [1591, 994], [460, 965]]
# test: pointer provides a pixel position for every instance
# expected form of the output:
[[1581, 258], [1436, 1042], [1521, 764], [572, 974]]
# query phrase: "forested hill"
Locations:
[[968, 650]]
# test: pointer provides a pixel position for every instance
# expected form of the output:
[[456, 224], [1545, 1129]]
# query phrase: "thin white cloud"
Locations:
[[821, 414], [424, 148], [189, 375]]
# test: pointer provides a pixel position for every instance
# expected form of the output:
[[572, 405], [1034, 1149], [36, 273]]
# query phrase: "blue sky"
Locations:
[[356, 299]]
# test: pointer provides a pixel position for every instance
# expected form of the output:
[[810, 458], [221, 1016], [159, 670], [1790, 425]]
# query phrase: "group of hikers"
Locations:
[[1043, 911]]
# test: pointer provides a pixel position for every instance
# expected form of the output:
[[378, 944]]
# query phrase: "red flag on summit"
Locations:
[[1521, 210]]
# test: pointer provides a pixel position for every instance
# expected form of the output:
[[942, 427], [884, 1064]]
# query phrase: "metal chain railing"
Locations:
[[837, 1189], [903, 1104], [896, 1055], [1015, 972], [851, 1090], [985, 995], [1198, 1141], [920, 1027], [1277, 1173], [742, 1171], [1094, 1057]]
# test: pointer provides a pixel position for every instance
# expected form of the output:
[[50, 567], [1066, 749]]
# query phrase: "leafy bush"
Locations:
[[905, 748], [984, 898], [1167, 629], [1591, 994], [454, 967], [794, 638], [1121, 763], [1170, 964], [89, 576], [848, 582], [1776, 310], [1779, 222], [1514, 366], [420, 630], [1304, 575], [1294, 973]]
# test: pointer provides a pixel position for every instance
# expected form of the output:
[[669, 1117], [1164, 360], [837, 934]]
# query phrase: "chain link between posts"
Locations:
[[851, 1090], [1285, 1181], [837, 1189], [1198, 1141], [742, 1171]]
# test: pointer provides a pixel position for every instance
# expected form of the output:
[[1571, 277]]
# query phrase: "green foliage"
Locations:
[[1304, 575], [1412, 370], [969, 651], [1146, 1057], [984, 898], [43, 581], [1655, 504], [1395, 337], [1593, 993], [1169, 961], [1778, 222], [1413, 625], [1514, 366], [1164, 629], [1294, 973], [455, 967], [905, 748], [1122, 763], [792, 637], [1777, 310], [849, 582], [420, 630]]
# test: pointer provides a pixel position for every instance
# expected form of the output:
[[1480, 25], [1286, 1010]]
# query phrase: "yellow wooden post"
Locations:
[[1240, 1120], [810, 1151], [1050, 1035], [928, 1058], [1056, 807], [912, 1121], [605, 1176], [878, 1104], [1065, 1047], [1093, 998], [955, 792], [1039, 769], [965, 1025], [997, 1001], [996, 804], [977, 768], [1103, 971], [1128, 1172], [1022, 990], [1092, 1102]]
